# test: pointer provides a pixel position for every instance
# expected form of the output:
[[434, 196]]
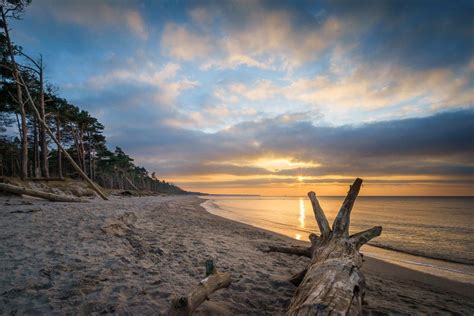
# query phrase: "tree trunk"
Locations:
[[75, 137], [89, 149], [36, 163], [44, 195], [43, 138], [332, 283], [58, 137], [19, 97]]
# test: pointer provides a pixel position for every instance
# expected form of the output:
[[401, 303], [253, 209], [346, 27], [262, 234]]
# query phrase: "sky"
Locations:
[[272, 97]]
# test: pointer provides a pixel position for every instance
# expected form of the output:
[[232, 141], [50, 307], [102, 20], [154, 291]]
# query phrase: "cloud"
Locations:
[[263, 38], [94, 15], [419, 35], [429, 148], [365, 88], [136, 24], [167, 87], [178, 42]]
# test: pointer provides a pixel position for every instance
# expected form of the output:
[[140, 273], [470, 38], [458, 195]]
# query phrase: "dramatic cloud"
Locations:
[[438, 145]]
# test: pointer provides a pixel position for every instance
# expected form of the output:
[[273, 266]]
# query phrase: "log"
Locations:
[[44, 195], [297, 251], [214, 281], [333, 283]]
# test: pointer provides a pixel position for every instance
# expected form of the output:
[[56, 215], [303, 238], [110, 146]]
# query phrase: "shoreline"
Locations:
[[434, 265], [132, 255], [379, 265]]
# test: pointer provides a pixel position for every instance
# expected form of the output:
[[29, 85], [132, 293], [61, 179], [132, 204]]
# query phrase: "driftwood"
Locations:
[[332, 283], [214, 281], [44, 195]]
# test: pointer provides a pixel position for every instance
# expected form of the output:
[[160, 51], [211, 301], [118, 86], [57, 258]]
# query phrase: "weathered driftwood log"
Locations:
[[44, 195], [214, 281], [332, 282]]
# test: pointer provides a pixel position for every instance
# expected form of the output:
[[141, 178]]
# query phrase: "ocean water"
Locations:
[[429, 234]]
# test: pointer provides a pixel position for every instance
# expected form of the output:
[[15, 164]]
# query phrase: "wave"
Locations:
[[212, 205], [422, 254], [423, 264]]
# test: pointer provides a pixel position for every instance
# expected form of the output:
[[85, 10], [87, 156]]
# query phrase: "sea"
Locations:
[[434, 235]]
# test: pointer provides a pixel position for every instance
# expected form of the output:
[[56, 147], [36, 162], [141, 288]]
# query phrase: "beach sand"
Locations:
[[132, 255]]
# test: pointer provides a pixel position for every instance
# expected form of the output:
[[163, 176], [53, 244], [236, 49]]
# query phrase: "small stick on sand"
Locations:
[[214, 281]]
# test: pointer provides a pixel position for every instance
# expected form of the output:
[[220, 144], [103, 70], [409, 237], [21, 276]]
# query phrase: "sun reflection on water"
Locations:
[[302, 213]]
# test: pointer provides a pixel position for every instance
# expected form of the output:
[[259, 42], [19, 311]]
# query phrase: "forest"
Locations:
[[39, 129]]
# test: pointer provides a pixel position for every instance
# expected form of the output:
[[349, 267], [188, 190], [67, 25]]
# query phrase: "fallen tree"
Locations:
[[214, 281], [332, 282], [10, 188]]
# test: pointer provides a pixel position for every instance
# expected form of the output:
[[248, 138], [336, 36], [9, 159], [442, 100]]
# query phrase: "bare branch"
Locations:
[[342, 221], [365, 236], [29, 68], [34, 62], [319, 215]]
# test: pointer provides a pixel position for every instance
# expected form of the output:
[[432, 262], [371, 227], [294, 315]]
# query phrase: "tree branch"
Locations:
[[365, 236], [319, 215], [342, 221]]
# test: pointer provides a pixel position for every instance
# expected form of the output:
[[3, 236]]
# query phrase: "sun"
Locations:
[[300, 178]]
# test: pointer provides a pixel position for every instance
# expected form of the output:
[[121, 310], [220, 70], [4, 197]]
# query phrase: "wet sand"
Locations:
[[132, 255]]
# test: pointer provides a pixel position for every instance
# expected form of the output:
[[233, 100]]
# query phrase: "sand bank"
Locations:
[[131, 255]]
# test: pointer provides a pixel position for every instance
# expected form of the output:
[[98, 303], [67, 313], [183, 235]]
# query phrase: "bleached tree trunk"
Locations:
[[36, 162], [43, 138], [332, 283], [58, 137]]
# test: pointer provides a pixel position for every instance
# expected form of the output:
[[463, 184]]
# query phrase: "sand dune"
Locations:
[[131, 255]]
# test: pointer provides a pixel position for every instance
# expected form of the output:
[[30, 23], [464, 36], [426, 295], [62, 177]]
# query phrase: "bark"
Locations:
[[214, 281], [44, 195], [19, 98]]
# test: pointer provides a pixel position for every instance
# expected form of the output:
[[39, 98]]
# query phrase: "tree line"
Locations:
[[35, 123]]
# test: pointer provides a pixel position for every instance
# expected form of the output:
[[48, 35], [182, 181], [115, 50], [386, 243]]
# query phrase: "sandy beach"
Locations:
[[133, 255]]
